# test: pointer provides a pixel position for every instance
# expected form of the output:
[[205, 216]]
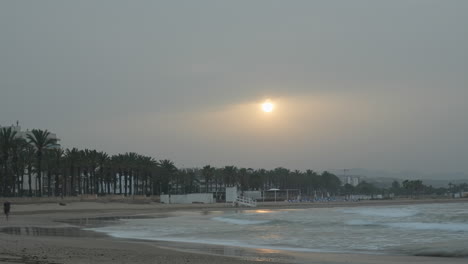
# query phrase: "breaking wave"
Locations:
[[436, 230], [240, 221], [382, 212], [431, 226], [455, 227]]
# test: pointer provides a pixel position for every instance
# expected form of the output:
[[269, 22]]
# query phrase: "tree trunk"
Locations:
[[109, 182], [64, 182], [126, 182], [98, 180], [136, 189], [39, 171], [130, 181], [86, 181], [5, 173], [49, 183], [29, 179], [20, 184], [72, 180], [120, 181], [79, 181], [56, 183], [114, 180]]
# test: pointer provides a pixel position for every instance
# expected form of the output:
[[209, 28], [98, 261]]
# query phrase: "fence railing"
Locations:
[[246, 201]]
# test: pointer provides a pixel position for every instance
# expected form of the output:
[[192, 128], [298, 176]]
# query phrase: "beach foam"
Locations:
[[430, 226], [364, 230], [412, 225], [240, 221], [382, 212]]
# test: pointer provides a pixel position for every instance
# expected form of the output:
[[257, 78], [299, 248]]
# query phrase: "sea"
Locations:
[[438, 230]]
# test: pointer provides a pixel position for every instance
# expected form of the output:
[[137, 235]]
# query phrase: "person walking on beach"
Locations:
[[6, 209]]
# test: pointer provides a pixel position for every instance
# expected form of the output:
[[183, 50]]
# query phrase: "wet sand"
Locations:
[[50, 233]]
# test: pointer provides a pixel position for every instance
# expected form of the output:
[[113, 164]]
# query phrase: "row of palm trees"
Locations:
[[308, 182], [59, 172], [18, 153], [37, 166]]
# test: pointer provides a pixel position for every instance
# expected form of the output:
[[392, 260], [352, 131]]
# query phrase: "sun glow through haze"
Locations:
[[267, 107]]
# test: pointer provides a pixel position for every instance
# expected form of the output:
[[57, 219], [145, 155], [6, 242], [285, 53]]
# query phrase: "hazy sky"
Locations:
[[356, 84]]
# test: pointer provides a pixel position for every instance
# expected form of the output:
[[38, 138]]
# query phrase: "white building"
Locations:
[[355, 181], [351, 179], [24, 134]]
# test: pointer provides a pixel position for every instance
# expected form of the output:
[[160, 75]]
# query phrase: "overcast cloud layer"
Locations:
[[357, 84]]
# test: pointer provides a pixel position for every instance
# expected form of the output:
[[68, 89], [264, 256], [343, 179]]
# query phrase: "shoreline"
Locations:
[[107, 249]]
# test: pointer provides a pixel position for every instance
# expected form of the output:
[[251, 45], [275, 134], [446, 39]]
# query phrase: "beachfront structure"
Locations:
[[205, 198], [351, 179], [242, 198], [231, 194]]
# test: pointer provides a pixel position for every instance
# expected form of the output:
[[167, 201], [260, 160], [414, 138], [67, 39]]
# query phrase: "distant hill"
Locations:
[[384, 178]]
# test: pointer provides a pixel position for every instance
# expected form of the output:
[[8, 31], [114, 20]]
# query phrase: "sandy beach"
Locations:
[[70, 245]]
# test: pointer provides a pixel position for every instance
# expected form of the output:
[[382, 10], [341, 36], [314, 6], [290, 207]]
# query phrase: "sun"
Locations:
[[267, 107]]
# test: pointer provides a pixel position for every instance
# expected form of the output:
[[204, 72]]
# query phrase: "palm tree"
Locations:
[[230, 175], [168, 170], [42, 141], [18, 164], [81, 164], [91, 165], [132, 159], [140, 179], [208, 174], [72, 157], [125, 164], [151, 167], [57, 157], [155, 176], [114, 164], [49, 167], [102, 162], [242, 179], [144, 169], [189, 180], [218, 177], [87, 161], [28, 156], [7, 138], [118, 164]]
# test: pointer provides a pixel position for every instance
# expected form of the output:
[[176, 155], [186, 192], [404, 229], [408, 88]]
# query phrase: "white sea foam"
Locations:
[[412, 225], [431, 226], [240, 221], [226, 243], [358, 222], [399, 229], [382, 212]]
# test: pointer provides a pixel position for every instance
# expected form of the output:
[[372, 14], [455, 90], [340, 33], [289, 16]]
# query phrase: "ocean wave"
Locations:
[[456, 227], [382, 212], [244, 244], [240, 221], [358, 222]]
